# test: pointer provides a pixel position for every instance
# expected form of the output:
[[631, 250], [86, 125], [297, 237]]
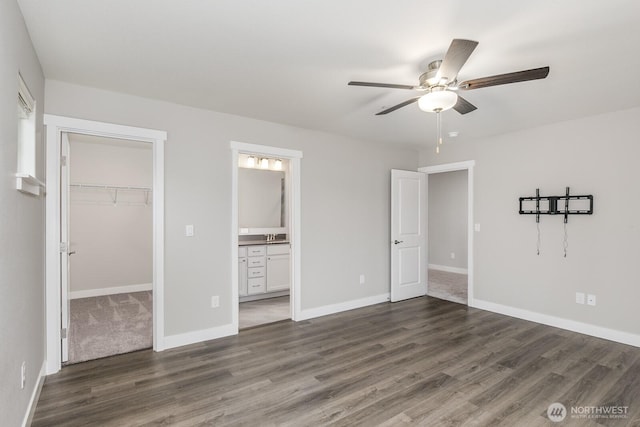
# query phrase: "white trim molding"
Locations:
[[325, 310], [294, 157], [448, 269], [55, 127], [87, 293], [35, 395], [193, 337], [559, 322], [467, 165]]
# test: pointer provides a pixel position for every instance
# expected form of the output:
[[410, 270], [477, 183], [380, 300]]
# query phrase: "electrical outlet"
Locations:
[[579, 298], [215, 301], [453, 255], [23, 374], [591, 299], [362, 279]]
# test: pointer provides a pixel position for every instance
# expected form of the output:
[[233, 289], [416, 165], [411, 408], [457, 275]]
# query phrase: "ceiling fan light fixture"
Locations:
[[436, 101]]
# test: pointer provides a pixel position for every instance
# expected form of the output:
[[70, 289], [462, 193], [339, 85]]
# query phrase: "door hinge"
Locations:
[[63, 333], [63, 160], [63, 247]]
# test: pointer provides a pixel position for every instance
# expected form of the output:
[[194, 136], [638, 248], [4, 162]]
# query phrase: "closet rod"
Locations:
[[110, 187]]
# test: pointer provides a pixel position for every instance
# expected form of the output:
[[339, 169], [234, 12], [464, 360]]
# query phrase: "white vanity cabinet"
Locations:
[[256, 269], [278, 271], [242, 271], [263, 269]]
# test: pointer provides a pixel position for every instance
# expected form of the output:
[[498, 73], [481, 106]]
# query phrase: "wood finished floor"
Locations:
[[424, 361]]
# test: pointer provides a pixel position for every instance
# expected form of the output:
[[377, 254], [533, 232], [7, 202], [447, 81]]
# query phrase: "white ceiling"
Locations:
[[289, 61]]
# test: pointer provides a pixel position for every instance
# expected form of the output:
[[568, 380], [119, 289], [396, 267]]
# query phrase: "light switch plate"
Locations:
[[476, 227], [579, 297], [188, 231], [591, 299]]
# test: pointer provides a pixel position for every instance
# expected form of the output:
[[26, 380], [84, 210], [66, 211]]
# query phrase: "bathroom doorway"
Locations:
[[265, 240]]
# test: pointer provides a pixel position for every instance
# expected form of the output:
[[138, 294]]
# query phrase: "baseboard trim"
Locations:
[[448, 269], [110, 291], [558, 322], [35, 395], [342, 306], [187, 338]]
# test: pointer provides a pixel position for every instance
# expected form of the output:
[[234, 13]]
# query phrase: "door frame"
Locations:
[[294, 157], [452, 167], [55, 126]]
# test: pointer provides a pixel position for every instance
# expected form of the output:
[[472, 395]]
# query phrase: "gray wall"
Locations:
[[345, 202], [21, 226], [594, 155], [447, 219], [113, 244]]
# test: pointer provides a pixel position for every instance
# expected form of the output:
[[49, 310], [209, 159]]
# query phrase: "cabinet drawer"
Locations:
[[242, 251], [256, 251], [282, 249], [256, 286], [256, 261], [255, 272]]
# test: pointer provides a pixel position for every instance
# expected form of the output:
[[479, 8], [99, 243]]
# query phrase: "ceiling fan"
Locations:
[[440, 84]]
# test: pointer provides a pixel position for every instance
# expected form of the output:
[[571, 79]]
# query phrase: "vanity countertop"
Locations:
[[261, 242]]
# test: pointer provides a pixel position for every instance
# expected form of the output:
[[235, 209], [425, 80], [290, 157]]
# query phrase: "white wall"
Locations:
[[595, 155], [448, 219], [345, 202], [21, 226], [112, 243]]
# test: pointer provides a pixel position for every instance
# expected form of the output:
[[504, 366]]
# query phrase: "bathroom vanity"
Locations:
[[263, 269]]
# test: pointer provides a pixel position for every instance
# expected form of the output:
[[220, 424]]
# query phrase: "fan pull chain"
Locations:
[[438, 131], [538, 241], [565, 243]]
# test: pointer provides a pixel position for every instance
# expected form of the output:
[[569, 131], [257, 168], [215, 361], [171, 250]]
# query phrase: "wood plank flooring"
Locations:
[[420, 362]]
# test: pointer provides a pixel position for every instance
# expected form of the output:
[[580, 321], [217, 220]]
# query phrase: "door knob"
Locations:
[[395, 242]]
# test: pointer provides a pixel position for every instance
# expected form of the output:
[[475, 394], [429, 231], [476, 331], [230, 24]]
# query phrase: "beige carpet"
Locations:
[[448, 286], [264, 311], [111, 324]]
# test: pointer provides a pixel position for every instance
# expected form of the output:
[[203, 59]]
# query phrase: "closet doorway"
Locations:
[[109, 302], [265, 236], [57, 236]]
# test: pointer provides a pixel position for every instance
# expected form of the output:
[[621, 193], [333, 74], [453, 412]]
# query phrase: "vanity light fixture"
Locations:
[[278, 165], [251, 162], [264, 163]]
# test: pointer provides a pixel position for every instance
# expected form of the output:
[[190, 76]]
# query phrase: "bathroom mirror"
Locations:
[[261, 201]]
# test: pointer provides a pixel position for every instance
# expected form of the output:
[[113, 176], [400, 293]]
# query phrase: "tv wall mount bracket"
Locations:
[[554, 203]]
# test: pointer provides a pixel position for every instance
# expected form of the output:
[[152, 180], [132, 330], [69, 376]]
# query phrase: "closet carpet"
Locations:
[[111, 324]]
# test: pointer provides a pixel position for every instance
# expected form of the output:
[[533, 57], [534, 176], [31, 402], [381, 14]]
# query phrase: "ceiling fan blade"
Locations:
[[463, 106], [503, 79], [396, 107], [389, 85], [459, 51]]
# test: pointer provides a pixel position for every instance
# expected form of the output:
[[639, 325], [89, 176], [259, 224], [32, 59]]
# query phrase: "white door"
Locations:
[[408, 234], [64, 245]]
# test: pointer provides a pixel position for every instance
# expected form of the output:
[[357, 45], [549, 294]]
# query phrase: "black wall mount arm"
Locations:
[[553, 205]]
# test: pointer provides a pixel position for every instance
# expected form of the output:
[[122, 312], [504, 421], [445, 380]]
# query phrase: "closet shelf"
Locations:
[[110, 187]]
